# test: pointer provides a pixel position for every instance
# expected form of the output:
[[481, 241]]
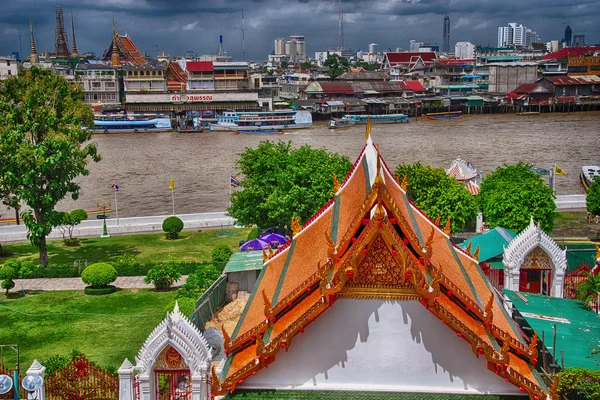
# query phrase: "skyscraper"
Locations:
[[513, 34], [568, 36], [446, 41]]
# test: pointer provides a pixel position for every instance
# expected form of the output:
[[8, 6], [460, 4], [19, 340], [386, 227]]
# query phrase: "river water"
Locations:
[[200, 163]]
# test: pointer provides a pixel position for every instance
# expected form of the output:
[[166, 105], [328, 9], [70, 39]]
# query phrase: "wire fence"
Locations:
[[209, 303]]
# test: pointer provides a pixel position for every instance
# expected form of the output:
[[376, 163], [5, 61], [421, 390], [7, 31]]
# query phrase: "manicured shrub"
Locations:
[[198, 282], [99, 275], [27, 270], [7, 274], [253, 234], [220, 255], [99, 291], [172, 226], [163, 275], [128, 265]]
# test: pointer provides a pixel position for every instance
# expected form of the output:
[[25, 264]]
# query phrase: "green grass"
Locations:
[[107, 329], [574, 224], [192, 246]]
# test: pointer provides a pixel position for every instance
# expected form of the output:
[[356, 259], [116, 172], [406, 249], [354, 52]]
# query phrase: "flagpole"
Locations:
[[116, 207], [229, 198], [173, 199]]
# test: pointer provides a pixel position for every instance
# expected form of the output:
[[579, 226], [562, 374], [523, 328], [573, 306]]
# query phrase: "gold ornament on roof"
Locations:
[[437, 220], [476, 254], [404, 182], [296, 227], [468, 249], [489, 307], [379, 210], [448, 227], [265, 256], [270, 251], [368, 129], [336, 184]]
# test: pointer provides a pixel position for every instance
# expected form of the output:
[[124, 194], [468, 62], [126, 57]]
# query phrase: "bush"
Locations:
[[593, 198], [7, 274], [99, 275], [579, 383], [198, 282], [27, 270], [163, 275], [172, 226], [128, 265], [55, 363], [99, 291], [73, 242], [186, 306], [253, 234], [220, 255]]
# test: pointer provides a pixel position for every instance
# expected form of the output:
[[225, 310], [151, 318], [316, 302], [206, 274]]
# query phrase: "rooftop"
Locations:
[[244, 261], [345, 395], [577, 328], [491, 243], [574, 80]]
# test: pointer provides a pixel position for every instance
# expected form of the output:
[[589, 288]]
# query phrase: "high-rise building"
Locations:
[[464, 50], [373, 48], [446, 41], [279, 46], [568, 36], [300, 47], [513, 34], [578, 40]]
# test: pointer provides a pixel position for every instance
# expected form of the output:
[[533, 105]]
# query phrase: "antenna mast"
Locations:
[[243, 35]]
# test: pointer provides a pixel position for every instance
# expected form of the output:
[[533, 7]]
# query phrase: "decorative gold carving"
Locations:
[[448, 227], [532, 350], [226, 339], [468, 249], [265, 256], [296, 227], [537, 259], [437, 220], [554, 389], [385, 293], [378, 268], [330, 245], [169, 358], [336, 184], [368, 129], [404, 182], [476, 254], [488, 313], [268, 307], [380, 210], [215, 384], [429, 242]]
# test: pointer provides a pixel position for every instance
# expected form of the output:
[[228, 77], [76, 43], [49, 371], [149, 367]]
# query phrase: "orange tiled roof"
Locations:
[[128, 52], [326, 260]]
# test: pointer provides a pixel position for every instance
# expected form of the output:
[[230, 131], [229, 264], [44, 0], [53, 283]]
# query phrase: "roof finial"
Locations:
[[74, 52], [448, 227], [368, 129], [336, 184], [116, 60]]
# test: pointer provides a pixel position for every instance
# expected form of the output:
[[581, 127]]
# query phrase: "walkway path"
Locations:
[[123, 282]]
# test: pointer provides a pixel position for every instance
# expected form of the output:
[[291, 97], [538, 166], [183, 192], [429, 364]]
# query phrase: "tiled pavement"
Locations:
[[123, 282]]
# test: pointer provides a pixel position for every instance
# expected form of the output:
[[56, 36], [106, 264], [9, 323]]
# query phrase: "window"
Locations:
[[153, 73], [96, 85], [110, 85], [9, 72], [8, 64], [578, 69]]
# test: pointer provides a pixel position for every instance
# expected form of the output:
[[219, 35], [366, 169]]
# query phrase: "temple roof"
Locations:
[[325, 260], [355, 395], [128, 52]]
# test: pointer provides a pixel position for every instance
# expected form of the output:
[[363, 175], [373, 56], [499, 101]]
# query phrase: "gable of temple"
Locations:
[[128, 52], [370, 242]]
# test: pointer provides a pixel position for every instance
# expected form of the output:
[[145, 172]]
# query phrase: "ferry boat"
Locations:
[[336, 123], [375, 119], [588, 174], [255, 122], [120, 123], [444, 115]]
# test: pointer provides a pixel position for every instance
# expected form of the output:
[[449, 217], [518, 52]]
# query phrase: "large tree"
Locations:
[[280, 183], [336, 65], [437, 194], [512, 194], [44, 146]]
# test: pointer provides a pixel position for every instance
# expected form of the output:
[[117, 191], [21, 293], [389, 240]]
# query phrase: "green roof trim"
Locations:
[[352, 395], [579, 253], [577, 328], [496, 264], [491, 243], [244, 261]]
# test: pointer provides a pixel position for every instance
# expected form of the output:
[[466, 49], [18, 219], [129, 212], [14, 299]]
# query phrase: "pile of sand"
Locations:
[[228, 316]]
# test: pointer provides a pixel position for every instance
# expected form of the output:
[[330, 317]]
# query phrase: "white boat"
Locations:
[[376, 119], [271, 121], [588, 174], [120, 123], [336, 123]]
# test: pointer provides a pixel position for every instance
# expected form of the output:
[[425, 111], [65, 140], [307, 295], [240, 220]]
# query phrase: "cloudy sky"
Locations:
[[180, 25]]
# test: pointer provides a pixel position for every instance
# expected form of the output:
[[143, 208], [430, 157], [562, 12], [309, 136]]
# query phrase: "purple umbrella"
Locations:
[[254, 244], [274, 239]]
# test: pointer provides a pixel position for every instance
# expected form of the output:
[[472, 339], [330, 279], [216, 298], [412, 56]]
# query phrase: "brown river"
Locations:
[[200, 163]]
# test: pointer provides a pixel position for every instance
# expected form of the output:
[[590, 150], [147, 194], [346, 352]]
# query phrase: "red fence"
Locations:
[[573, 279], [82, 380]]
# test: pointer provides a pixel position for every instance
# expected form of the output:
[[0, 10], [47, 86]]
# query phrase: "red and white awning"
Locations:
[[472, 187]]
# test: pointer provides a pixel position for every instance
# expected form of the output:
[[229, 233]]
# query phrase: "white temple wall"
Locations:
[[378, 345]]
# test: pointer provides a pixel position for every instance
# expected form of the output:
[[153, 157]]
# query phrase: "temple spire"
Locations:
[[33, 57], [74, 51], [116, 61]]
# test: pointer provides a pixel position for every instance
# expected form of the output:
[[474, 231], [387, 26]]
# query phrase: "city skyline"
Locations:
[[196, 25]]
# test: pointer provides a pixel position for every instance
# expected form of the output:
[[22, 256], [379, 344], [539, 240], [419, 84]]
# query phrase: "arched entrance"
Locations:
[[534, 263], [173, 364]]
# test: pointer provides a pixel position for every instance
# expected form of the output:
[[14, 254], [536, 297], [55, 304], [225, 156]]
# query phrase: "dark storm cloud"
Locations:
[[180, 25]]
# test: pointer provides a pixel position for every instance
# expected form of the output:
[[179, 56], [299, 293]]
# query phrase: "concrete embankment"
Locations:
[[90, 228]]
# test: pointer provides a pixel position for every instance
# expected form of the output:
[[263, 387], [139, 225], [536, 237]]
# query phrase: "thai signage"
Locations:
[[190, 98]]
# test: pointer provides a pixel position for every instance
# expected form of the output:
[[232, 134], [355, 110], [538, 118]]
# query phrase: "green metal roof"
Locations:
[[244, 261], [349, 395], [498, 264], [491, 243], [577, 328], [577, 254], [472, 98]]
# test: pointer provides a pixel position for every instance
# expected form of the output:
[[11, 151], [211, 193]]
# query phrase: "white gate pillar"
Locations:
[[126, 381], [38, 369]]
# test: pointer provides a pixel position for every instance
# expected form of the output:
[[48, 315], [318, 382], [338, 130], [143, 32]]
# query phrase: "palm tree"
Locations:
[[588, 290]]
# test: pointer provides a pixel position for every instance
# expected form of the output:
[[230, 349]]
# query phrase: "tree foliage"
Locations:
[[281, 183], [588, 290], [512, 194], [437, 194], [306, 65], [336, 65], [593, 198], [44, 146], [172, 226], [69, 220], [367, 66]]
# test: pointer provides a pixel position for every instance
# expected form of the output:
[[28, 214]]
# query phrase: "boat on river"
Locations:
[[121, 123], [444, 115], [375, 119], [588, 174], [265, 122], [337, 123]]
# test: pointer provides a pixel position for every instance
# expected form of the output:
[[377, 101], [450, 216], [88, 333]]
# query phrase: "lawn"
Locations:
[[107, 329], [192, 246], [574, 224]]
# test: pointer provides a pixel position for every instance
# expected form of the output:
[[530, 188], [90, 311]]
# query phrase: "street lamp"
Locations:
[[104, 207]]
